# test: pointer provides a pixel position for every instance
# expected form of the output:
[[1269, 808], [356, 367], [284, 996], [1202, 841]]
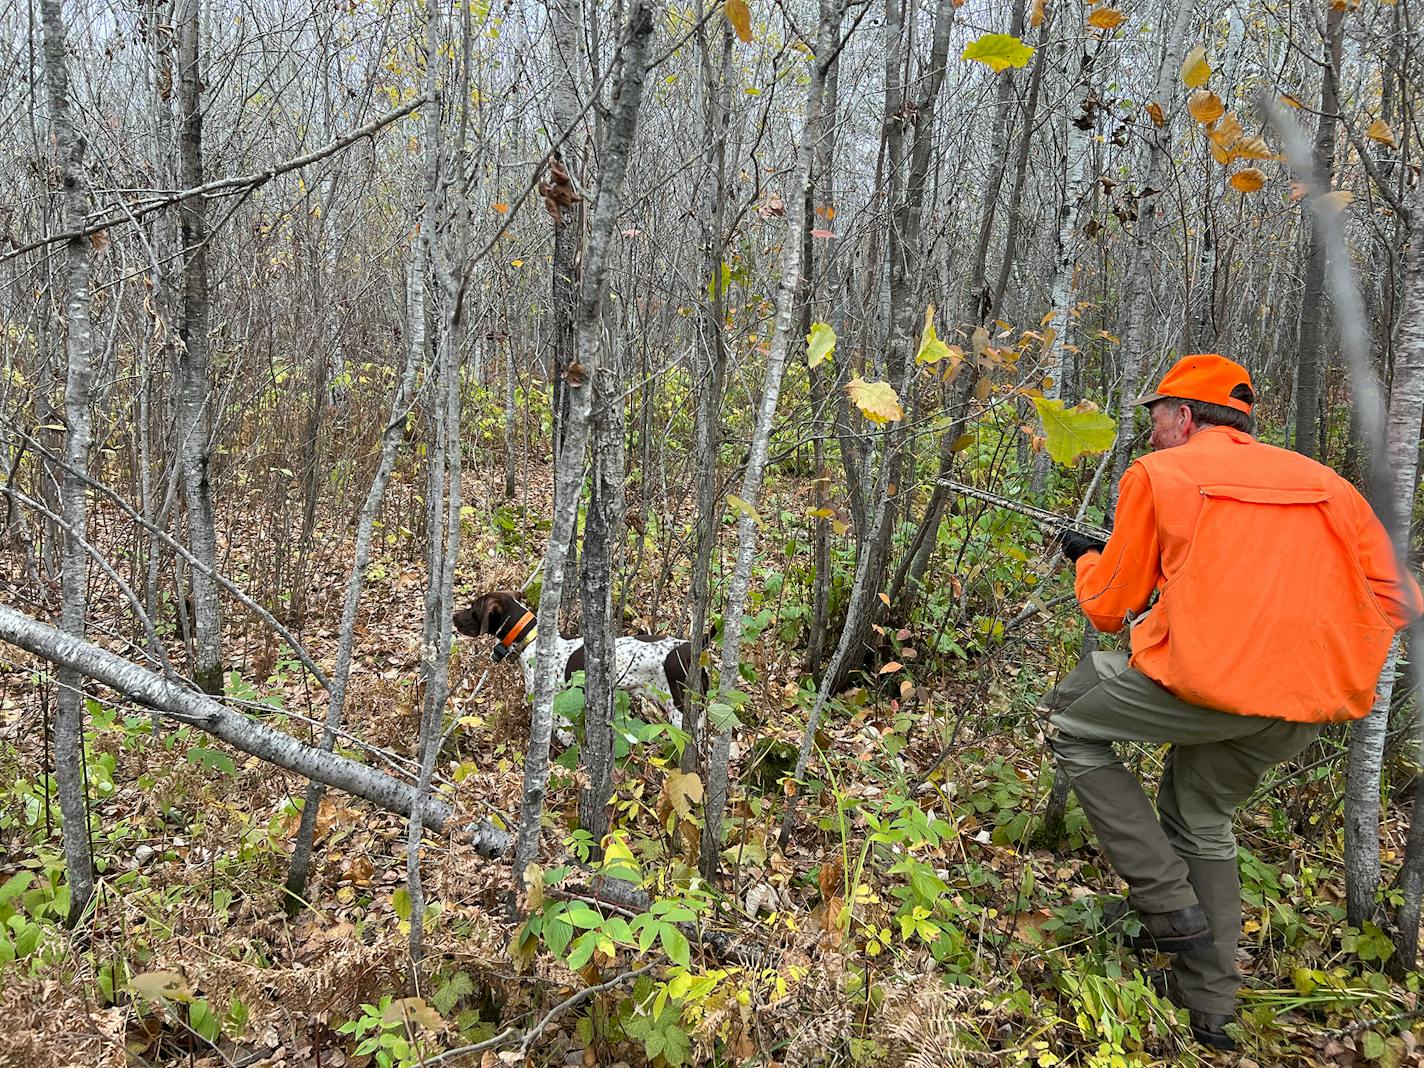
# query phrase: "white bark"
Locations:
[[198, 710], [1135, 342], [728, 676], [79, 345]]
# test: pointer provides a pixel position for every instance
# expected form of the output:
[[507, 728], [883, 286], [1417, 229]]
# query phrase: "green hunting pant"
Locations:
[[1185, 854]]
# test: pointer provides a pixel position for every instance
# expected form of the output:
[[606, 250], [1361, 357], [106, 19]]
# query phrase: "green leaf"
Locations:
[[675, 945], [400, 901], [722, 717], [158, 986], [820, 343], [1372, 1045], [677, 1047], [1074, 432], [584, 917], [558, 934], [15, 885], [932, 349], [583, 949], [998, 51]]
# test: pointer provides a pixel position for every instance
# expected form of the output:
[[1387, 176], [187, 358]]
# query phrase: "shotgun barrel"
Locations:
[[1046, 518]]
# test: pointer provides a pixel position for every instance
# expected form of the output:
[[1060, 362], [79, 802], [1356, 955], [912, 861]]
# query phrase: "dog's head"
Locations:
[[493, 613]]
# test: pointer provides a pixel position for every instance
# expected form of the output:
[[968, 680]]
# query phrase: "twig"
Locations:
[[247, 182], [533, 1035]]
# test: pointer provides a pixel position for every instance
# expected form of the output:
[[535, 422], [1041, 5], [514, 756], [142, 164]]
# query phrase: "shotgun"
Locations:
[[1042, 516]]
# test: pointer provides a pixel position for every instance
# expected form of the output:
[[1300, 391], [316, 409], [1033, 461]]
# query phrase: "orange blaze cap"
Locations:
[[1203, 376]]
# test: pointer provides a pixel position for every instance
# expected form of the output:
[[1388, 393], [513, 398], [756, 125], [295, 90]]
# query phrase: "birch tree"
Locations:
[[79, 344]]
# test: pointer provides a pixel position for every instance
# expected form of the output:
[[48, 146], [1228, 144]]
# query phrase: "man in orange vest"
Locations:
[[1277, 594]]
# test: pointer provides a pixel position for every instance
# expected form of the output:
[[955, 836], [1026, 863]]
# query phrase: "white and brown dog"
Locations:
[[655, 668]]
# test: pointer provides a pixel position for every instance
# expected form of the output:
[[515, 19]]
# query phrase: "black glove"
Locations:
[[1075, 544]]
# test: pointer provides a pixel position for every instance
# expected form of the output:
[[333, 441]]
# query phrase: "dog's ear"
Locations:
[[489, 609]]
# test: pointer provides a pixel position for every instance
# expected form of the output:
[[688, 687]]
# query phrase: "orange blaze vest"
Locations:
[[1278, 590]]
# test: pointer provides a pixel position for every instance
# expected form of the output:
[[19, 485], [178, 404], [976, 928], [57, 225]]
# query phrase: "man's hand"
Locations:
[[1075, 544]]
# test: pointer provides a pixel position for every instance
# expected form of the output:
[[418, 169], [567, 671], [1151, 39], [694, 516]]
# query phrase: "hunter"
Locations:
[[1277, 593]]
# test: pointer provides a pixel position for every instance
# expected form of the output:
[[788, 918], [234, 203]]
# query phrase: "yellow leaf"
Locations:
[[1248, 181], [516, 263], [1205, 106], [683, 791], [963, 442], [998, 51], [1330, 203], [1154, 110], [1106, 18], [821, 513], [533, 886], [1379, 131], [741, 507], [1290, 101], [740, 16], [501, 207], [877, 401], [932, 349], [820, 343], [1195, 70], [1074, 432], [1219, 154]]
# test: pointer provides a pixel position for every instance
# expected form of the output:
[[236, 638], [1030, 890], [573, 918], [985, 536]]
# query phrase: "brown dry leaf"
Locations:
[[1249, 180], [1221, 155], [1331, 203], [1036, 15], [1228, 131], [831, 878], [891, 667], [1252, 148], [1105, 18], [1205, 106], [740, 16], [1379, 131], [1154, 110]]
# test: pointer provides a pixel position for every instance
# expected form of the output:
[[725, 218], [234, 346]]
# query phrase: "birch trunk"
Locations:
[[191, 384], [1137, 287], [729, 675], [79, 346], [195, 709], [568, 474]]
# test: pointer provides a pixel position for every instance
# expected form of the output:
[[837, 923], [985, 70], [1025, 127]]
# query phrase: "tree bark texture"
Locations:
[[191, 383], [198, 710], [79, 347], [568, 475], [729, 670]]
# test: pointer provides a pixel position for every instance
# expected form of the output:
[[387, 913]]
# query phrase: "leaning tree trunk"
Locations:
[[192, 388], [1312, 302], [568, 222], [79, 345], [568, 471]]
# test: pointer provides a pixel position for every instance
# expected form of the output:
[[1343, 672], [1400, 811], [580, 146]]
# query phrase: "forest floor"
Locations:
[[916, 917]]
